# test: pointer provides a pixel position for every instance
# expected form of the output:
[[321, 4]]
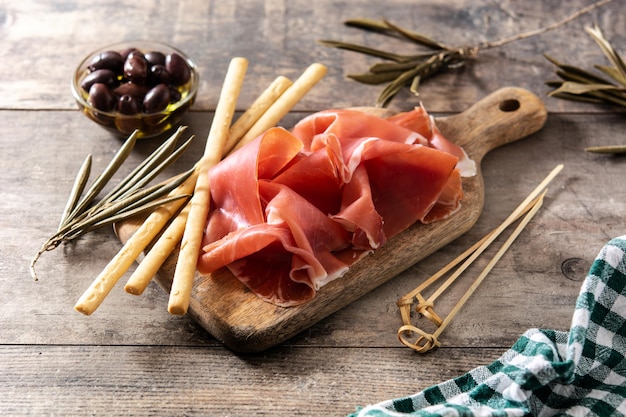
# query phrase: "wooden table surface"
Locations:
[[132, 358]]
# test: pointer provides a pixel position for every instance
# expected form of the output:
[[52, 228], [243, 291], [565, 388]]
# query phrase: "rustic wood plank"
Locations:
[[122, 380], [283, 40], [133, 358], [583, 210]]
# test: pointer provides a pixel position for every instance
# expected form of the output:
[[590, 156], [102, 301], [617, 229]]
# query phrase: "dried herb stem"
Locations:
[[103, 178], [130, 197], [77, 189], [608, 87], [545, 29], [412, 70]]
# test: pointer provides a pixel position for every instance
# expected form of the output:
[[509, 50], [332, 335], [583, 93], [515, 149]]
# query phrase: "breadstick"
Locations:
[[172, 236], [199, 204], [102, 285], [154, 224], [256, 110], [159, 252], [284, 104]]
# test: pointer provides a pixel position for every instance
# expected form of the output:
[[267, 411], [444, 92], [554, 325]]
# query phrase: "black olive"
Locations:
[[156, 99], [137, 91], [102, 76], [174, 94], [133, 81], [126, 52], [110, 60], [155, 58], [127, 105], [101, 97], [136, 68], [179, 70], [157, 74]]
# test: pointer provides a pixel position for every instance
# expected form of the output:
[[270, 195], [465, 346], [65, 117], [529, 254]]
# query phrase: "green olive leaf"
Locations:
[[608, 50], [77, 189], [570, 72], [414, 88], [375, 78], [608, 149], [364, 50], [83, 213], [370, 25], [571, 87], [417, 37], [399, 66], [582, 85], [613, 73], [577, 97]]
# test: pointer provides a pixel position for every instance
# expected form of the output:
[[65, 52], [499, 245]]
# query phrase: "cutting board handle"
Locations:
[[502, 117]]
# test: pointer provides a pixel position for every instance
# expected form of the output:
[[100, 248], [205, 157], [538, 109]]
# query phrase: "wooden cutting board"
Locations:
[[244, 323]]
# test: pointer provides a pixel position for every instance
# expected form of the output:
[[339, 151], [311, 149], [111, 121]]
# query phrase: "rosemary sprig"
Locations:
[[411, 70], [577, 84], [130, 197]]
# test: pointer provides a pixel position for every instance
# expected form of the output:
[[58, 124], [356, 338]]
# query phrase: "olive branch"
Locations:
[[399, 71]]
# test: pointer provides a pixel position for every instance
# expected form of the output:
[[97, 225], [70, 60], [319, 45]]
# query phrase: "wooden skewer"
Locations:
[[198, 206], [609, 149], [474, 251], [427, 341], [520, 227], [425, 307]]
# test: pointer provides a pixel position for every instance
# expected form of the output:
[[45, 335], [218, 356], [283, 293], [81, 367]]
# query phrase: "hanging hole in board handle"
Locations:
[[509, 105]]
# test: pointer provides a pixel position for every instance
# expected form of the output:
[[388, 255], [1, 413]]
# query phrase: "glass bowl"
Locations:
[[115, 112]]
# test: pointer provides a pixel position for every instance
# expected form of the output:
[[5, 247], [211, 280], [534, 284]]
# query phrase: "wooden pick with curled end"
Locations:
[[425, 306]]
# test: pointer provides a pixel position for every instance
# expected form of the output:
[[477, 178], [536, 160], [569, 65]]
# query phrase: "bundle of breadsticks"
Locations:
[[181, 222]]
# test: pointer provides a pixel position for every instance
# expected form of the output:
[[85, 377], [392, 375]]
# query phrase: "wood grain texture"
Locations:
[[280, 37], [133, 358], [584, 209], [160, 381], [245, 323]]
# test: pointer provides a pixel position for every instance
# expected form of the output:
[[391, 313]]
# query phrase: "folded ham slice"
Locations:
[[292, 211], [420, 121]]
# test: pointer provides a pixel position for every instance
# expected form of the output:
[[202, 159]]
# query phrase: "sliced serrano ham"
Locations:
[[288, 258], [345, 123], [418, 120], [291, 211], [234, 182], [449, 201]]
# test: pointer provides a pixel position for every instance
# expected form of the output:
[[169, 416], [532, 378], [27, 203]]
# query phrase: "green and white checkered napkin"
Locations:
[[546, 372]]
